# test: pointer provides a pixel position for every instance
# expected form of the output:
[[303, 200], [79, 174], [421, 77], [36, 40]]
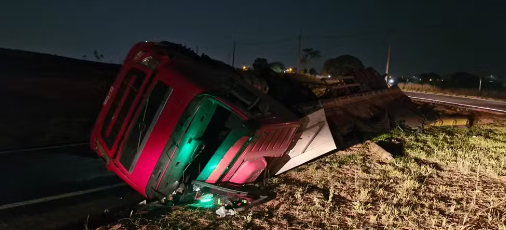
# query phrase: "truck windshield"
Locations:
[[121, 105], [143, 123]]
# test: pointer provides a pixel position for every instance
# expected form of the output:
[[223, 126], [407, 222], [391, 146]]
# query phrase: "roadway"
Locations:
[[497, 106], [35, 174], [29, 178]]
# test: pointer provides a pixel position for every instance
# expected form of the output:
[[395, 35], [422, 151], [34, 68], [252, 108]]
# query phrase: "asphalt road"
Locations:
[[36, 174], [40, 174], [496, 105]]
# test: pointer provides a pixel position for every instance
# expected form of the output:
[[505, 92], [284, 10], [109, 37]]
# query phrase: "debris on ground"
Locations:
[[222, 212]]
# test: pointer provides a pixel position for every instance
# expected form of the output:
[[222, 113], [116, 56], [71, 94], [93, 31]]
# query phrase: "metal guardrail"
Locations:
[[472, 107]]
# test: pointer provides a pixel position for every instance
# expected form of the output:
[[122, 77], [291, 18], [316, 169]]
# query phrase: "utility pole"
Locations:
[[479, 87], [299, 38], [388, 60], [233, 55]]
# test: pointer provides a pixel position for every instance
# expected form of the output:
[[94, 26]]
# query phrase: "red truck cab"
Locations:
[[172, 117]]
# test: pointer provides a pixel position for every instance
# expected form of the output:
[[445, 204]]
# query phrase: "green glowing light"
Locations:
[[206, 200]]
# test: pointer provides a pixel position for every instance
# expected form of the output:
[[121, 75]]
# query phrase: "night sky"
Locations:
[[443, 36]]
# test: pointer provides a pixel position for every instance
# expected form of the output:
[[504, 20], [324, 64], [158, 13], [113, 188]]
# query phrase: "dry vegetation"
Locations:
[[414, 87], [443, 178]]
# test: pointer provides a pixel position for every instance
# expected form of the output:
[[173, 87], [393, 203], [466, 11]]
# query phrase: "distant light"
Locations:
[[244, 68], [391, 81], [430, 79], [441, 79], [329, 76]]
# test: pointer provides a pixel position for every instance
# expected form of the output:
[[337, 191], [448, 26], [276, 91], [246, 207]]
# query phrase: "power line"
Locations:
[[299, 38], [373, 32], [233, 55], [350, 35], [282, 40]]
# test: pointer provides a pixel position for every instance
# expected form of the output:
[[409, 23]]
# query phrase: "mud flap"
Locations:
[[313, 140]]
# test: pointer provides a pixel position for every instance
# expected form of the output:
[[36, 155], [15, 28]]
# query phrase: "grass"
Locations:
[[444, 178]]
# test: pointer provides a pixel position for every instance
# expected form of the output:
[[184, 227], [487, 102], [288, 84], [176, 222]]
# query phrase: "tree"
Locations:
[[313, 71], [309, 54], [464, 80], [260, 63], [342, 65], [278, 67], [430, 78], [97, 55]]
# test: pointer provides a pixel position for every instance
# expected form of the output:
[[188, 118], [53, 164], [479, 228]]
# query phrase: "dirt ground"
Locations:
[[48, 111], [49, 100]]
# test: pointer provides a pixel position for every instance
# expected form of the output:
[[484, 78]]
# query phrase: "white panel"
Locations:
[[306, 147]]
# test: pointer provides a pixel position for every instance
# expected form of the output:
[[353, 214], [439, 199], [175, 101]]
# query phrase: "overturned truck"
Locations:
[[186, 129]]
